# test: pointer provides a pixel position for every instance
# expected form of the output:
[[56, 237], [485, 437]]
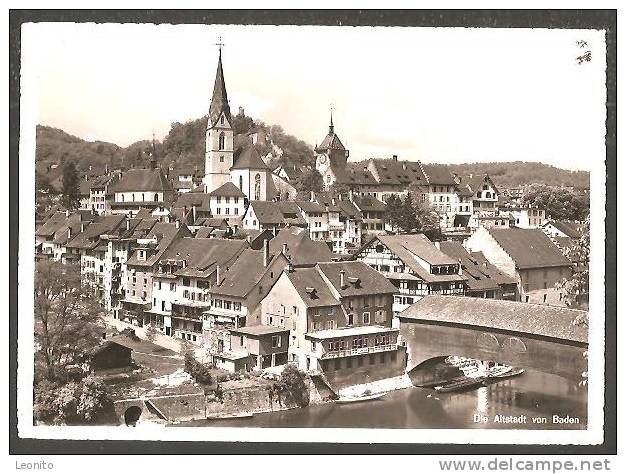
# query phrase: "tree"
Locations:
[[310, 181], [559, 203], [293, 384], [408, 216], [393, 212], [68, 318], [85, 402], [576, 289], [151, 333], [70, 190]]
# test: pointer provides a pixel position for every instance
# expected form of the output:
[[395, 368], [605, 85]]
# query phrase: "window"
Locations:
[[257, 186], [350, 319], [241, 183], [237, 306], [366, 318], [313, 346], [221, 144], [276, 341], [172, 286], [222, 120]]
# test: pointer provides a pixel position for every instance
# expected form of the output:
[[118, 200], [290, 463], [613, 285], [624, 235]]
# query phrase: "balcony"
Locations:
[[359, 351]]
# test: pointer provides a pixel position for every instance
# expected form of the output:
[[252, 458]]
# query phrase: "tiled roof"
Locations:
[[331, 141], [91, 235], [249, 158], [203, 255], [354, 174], [308, 206], [370, 282], [267, 212], [188, 200], [542, 320], [51, 225], [369, 203], [243, 274], [301, 250], [142, 180], [165, 233], [228, 190], [407, 247], [569, 228], [306, 278], [530, 248], [480, 273], [393, 172], [438, 174]]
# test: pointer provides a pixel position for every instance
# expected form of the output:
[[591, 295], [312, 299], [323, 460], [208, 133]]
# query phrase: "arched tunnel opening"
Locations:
[[132, 415]]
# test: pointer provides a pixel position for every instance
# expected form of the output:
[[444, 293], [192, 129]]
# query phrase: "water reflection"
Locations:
[[534, 394]]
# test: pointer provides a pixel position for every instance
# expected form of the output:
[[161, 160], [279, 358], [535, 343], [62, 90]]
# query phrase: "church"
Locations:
[[242, 167]]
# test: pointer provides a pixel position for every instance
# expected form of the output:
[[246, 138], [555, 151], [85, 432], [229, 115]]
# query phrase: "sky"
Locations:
[[443, 95]]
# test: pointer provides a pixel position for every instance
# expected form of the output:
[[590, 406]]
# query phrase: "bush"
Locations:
[[199, 371]]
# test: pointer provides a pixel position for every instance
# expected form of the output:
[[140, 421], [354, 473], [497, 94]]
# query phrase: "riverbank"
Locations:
[[379, 386]]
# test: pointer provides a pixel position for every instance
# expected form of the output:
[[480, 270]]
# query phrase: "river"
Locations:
[[532, 394]]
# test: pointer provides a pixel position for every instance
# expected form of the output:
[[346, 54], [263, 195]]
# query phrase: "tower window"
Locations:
[[221, 158], [221, 144], [222, 120], [241, 183], [257, 187]]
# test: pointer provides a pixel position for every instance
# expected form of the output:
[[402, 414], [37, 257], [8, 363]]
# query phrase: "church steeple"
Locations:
[[219, 140], [331, 128], [219, 101]]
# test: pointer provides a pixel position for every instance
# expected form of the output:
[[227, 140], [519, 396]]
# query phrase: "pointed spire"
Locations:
[[153, 153], [219, 101], [331, 128]]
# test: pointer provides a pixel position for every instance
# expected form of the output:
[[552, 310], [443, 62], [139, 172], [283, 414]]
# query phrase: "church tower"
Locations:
[[219, 135]]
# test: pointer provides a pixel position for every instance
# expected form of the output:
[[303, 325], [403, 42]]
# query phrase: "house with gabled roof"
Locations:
[[339, 319], [137, 188], [414, 265], [484, 280], [181, 283], [528, 255], [562, 228], [151, 241]]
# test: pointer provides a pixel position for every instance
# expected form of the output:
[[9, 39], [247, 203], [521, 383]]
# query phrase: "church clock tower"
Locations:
[[331, 156], [219, 135]]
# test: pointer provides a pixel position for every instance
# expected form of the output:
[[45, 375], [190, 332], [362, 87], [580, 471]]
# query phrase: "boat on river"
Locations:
[[362, 398], [465, 384], [512, 372]]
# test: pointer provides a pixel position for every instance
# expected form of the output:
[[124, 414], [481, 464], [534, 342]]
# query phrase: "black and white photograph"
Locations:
[[319, 232]]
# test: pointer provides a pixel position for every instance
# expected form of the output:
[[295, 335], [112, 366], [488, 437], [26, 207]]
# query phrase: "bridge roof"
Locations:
[[541, 320]]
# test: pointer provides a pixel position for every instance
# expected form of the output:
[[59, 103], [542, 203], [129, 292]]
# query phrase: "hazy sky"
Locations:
[[439, 95]]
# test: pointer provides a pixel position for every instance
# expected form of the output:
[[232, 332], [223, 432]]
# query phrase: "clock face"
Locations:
[[323, 159]]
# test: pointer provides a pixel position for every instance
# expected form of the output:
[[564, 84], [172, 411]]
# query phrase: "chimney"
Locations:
[[285, 248], [67, 213], [460, 269], [249, 239], [217, 275], [394, 157], [333, 201], [69, 233], [82, 227], [289, 268], [127, 224], [342, 279], [177, 222], [193, 212], [312, 196], [351, 194], [437, 244], [404, 166], [266, 253]]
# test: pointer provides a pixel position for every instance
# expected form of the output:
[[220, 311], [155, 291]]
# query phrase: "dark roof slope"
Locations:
[[391, 171], [438, 174], [202, 256], [480, 273], [359, 278], [243, 274], [143, 180], [369, 203], [249, 158], [228, 190], [301, 250], [304, 279], [542, 320], [569, 228], [530, 248]]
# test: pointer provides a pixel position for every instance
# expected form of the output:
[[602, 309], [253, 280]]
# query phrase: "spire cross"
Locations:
[[331, 117], [219, 43]]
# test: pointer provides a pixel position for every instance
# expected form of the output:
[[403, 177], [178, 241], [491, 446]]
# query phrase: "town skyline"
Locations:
[[276, 97]]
